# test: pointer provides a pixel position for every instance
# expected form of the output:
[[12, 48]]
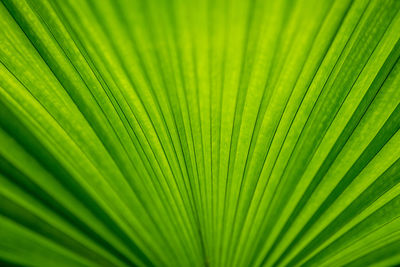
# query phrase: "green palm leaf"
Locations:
[[199, 133]]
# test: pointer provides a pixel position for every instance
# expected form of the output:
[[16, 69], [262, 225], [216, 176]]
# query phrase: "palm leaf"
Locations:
[[199, 133]]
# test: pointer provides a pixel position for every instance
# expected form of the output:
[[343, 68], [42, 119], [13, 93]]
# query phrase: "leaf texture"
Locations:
[[199, 133]]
